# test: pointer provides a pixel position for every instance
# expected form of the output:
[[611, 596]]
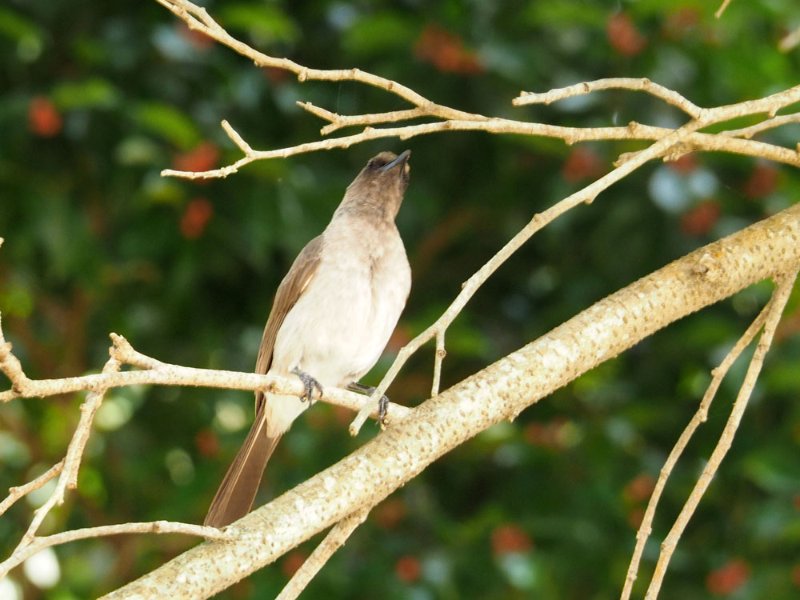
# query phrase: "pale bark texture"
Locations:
[[498, 392]]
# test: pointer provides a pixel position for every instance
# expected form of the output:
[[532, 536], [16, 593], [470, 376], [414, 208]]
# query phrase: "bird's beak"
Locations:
[[400, 160]]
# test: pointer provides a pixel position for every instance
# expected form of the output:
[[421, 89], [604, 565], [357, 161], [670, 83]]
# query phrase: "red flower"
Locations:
[[195, 217], [293, 561], [685, 164], [202, 157], [207, 442], [276, 75], [681, 21], [700, 219], [762, 181], [507, 539], [198, 39], [552, 434], [796, 575], [390, 512], [728, 578], [408, 568], [446, 52], [639, 488], [635, 517], [623, 35], [43, 118], [582, 163]]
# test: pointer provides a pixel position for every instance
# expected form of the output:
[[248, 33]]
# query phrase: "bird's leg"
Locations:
[[309, 383], [383, 403]]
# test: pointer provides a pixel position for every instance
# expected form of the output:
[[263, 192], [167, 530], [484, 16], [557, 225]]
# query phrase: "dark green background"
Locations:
[[541, 508]]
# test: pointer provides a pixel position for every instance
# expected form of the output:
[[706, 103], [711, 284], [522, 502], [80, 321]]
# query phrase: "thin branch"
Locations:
[[12, 368], [68, 477], [236, 138], [718, 374], [198, 19], [339, 121], [777, 304], [155, 372], [614, 83], [40, 543], [748, 132], [570, 135], [15, 493], [790, 41], [587, 194], [333, 541], [439, 355], [722, 8]]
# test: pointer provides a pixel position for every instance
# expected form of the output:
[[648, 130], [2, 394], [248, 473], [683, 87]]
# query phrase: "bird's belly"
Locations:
[[331, 332]]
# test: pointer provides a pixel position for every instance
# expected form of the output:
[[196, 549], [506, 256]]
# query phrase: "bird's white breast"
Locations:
[[340, 325]]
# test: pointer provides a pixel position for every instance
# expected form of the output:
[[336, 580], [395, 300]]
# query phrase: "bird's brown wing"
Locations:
[[236, 493], [289, 291]]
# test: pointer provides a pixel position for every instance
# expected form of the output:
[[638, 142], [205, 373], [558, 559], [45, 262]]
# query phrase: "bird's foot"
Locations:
[[367, 390], [309, 383]]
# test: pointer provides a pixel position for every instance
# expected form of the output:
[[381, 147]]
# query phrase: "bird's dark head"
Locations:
[[380, 185]]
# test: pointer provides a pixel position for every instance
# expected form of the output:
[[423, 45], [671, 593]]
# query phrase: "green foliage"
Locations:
[[167, 123], [96, 98]]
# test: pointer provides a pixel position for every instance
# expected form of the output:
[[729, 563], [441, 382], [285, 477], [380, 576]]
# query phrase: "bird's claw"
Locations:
[[383, 402], [309, 383], [383, 410]]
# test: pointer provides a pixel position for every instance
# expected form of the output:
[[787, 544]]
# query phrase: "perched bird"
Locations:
[[331, 318]]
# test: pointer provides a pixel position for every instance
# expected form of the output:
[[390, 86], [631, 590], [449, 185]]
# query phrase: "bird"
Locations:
[[331, 319]]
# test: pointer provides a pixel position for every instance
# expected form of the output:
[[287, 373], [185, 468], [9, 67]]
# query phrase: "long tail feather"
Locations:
[[236, 493]]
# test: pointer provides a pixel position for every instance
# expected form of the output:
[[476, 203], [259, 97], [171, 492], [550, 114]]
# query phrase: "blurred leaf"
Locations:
[[89, 93], [167, 122], [18, 28], [782, 377], [378, 33], [774, 470], [571, 14], [266, 24], [16, 300], [136, 150]]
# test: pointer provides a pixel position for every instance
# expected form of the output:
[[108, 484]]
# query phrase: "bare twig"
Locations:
[[155, 372], [790, 40], [333, 541], [748, 132], [722, 8], [40, 543], [450, 119], [587, 194], [339, 121], [684, 139], [570, 135], [776, 306], [15, 493], [718, 374], [614, 83], [237, 139], [441, 352], [198, 19], [68, 477]]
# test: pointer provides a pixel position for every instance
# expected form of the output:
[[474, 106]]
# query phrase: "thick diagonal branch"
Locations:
[[496, 393]]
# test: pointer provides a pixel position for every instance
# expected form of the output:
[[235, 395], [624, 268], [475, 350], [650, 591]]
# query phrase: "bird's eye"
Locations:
[[377, 163]]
